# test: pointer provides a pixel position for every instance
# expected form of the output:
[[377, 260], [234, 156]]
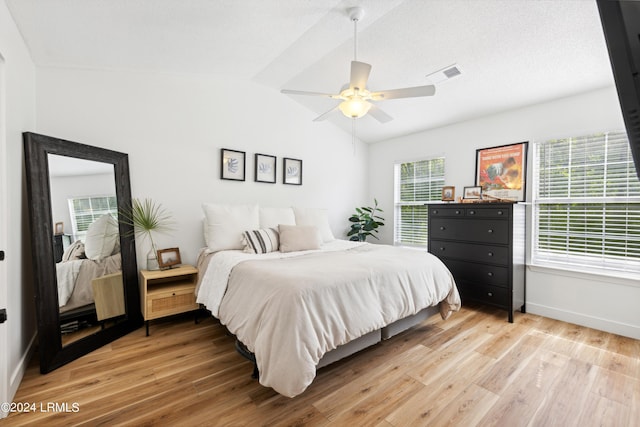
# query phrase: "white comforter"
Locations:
[[291, 309]]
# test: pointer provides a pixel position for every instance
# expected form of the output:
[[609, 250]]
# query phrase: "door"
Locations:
[[4, 376]]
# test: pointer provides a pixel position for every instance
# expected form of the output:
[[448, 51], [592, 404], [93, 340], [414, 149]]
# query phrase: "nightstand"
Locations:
[[167, 292]]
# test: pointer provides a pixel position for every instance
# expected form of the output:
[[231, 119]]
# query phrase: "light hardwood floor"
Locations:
[[473, 369]]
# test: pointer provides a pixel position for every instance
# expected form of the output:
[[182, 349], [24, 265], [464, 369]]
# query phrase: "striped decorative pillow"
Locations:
[[261, 241]]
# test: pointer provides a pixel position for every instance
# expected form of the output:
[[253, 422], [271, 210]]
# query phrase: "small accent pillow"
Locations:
[[74, 251], [315, 217], [101, 238], [299, 238], [261, 241]]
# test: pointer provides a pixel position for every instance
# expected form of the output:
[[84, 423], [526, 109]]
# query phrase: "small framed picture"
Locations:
[[472, 193], [265, 168], [448, 193], [232, 164], [292, 171], [59, 228], [167, 258]]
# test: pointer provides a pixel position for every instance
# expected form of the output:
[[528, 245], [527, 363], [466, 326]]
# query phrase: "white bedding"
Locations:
[[291, 309], [67, 273]]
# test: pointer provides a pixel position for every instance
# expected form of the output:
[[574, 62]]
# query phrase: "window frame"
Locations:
[[584, 207], [95, 213]]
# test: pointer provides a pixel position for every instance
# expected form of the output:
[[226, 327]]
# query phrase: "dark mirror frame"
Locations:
[[36, 150]]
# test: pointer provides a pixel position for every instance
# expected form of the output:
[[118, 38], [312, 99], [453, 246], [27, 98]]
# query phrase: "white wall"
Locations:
[[173, 127], [19, 108], [601, 302]]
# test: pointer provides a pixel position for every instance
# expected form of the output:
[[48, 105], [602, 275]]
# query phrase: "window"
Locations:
[[416, 183], [587, 203], [85, 210]]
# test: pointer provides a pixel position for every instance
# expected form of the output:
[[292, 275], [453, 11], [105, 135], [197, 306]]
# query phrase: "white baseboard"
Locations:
[[19, 370], [606, 325]]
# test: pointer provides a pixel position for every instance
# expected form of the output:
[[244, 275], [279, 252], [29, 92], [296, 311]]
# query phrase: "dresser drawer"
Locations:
[[162, 304], [484, 293], [487, 212], [478, 273], [493, 231], [445, 211], [471, 252]]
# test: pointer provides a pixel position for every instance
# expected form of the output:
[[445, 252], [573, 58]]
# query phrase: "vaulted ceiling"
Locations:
[[511, 53]]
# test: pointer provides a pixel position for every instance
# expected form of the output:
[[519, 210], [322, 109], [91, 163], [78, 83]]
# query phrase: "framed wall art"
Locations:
[[232, 164], [265, 168], [292, 171], [502, 171]]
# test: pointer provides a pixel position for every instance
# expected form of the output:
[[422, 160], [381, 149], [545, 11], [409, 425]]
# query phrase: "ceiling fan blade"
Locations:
[[302, 92], [324, 116], [379, 115], [359, 75], [407, 92]]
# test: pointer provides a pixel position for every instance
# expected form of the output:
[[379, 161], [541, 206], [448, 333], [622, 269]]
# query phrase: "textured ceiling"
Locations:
[[512, 52]]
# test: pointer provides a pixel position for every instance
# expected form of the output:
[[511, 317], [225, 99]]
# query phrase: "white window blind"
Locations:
[[85, 210], [416, 183], [587, 203]]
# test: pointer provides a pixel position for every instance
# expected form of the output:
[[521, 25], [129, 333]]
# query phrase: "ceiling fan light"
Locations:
[[354, 108]]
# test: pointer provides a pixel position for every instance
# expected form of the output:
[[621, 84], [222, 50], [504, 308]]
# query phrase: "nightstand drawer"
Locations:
[[478, 273], [171, 302], [484, 293], [471, 252], [482, 230]]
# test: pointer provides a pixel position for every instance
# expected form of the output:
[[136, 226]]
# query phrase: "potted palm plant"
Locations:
[[365, 222], [148, 217]]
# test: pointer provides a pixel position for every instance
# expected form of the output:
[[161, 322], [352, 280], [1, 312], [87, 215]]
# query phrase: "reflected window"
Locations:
[[85, 210]]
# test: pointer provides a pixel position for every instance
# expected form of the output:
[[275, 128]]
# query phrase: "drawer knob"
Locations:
[[472, 212], [490, 294], [490, 274], [489, 231], [435, 211], [441, 249], [173, 294], [499, 212], [490, 253], [442, 228], [457, 212]]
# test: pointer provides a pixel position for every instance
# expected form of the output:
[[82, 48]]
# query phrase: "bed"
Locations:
[[314, 299], [83, 262]]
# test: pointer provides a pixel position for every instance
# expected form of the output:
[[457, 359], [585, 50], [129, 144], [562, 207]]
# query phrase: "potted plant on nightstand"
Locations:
[[148, 217], [365, 222]]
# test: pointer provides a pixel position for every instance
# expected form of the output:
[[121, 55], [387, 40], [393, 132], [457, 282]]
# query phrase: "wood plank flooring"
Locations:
[[473, 369]]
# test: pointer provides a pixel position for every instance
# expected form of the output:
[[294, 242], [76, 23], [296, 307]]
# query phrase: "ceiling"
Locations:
[[511, 53]]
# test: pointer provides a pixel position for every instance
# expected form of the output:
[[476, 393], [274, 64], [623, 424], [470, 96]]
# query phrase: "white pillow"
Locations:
[[101, 238], [272, 217], [299, 238], [226, 223], [315, 217]]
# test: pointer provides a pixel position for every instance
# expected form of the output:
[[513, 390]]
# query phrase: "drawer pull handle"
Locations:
[[490, 274], [441, 249], [489, 231], [499, 212], [472, 212], [490, 294], [173, 294], [490, 253], [457, 212], [442, 228], [435, 211]]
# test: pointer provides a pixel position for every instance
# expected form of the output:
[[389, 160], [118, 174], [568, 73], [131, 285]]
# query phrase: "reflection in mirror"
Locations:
[[85, 271], [86, 245]]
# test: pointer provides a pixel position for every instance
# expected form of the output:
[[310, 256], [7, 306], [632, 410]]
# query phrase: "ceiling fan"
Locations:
[[356, 98]]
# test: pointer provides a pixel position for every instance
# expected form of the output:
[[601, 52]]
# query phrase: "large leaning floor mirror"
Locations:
[[85, 268]]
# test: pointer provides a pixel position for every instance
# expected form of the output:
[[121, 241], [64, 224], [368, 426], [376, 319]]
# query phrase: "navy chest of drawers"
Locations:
[[484, 247]]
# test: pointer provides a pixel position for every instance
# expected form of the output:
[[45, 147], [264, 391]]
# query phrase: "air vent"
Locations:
[[444, 74]]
